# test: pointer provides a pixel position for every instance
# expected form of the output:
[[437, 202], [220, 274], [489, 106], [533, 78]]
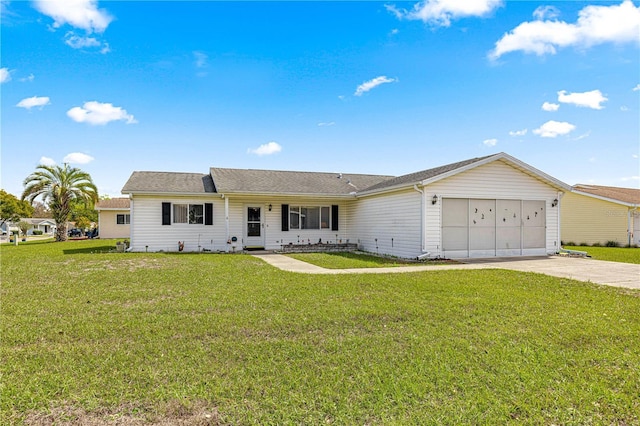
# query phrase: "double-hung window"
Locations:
[[123, 219], [309, 217], [188, 213]]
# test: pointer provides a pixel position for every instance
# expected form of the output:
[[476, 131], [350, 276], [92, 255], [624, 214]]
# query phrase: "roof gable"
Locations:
[[438, 173]]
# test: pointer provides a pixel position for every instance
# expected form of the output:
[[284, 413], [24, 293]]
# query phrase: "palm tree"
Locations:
[[58, 186]]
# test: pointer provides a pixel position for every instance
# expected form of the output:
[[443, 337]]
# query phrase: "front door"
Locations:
[[254, 228]]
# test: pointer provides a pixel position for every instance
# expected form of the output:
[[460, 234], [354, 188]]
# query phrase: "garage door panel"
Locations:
[[508, 213], [534, 237], [482, 213], [482, 238], [533, 214], [455, 238], [508, 238], [455, 212]]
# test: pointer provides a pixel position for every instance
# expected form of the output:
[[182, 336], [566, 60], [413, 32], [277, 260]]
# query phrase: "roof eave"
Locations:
[[611, 200]]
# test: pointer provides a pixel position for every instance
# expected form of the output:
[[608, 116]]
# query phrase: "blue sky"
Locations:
[[354, 87]]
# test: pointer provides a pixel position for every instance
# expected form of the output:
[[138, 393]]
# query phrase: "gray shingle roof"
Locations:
[[626, 195], [113, 203], [416, 177], [169, 182], [290, 182]]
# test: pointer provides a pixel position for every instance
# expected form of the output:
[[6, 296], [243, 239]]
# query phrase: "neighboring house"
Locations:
[[597, 214], [114, 218], [47, 226], [490, 206]]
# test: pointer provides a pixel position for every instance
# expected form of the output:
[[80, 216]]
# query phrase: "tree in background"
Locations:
[[41, 210], [12, 209], [24, 227], [59, 187]]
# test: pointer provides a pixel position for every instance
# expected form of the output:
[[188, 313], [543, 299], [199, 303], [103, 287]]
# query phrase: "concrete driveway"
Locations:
[[582, 269]]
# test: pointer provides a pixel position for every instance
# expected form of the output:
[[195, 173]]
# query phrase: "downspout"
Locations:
[[423, 241], [226, 219], [559, 246], [629, 227]]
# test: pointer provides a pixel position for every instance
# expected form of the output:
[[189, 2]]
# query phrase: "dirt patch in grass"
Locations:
[[126, 264], [173, 413]]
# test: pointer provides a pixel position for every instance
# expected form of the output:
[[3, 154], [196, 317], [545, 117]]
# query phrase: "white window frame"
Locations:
[[126, 218], [191, 216], [324, 212]]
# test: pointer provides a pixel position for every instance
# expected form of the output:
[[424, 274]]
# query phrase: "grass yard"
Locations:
[[613, 254], [93, 337]]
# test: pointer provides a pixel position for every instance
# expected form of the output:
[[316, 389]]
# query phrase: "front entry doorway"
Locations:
[[254, 232]]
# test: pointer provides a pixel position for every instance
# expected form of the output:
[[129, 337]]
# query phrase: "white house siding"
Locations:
[[148, 233], [389, 223], [273, 235], [493, 181]]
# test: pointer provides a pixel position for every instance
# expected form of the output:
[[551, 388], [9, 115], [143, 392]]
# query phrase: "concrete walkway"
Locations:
[[582, 269]]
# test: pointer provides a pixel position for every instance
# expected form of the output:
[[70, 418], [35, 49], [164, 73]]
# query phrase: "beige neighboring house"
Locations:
[[114, 217], [598, 214]]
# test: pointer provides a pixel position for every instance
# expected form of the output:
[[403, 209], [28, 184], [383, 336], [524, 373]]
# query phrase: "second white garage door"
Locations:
[[488, 228]]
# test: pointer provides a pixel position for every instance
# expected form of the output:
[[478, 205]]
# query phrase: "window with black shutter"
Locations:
[[285, 217], [166, 213], [208, 213], [334, 217]]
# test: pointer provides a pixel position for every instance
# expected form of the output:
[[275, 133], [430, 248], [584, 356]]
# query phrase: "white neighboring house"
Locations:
[[483, 207], [114, 218], [47, 226]]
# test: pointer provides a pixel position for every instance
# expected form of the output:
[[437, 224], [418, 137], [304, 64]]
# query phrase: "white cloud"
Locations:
[[490, 142], [635, 89], [518, 132], [634, 155], [35, 101], [5, 75], [591, 99], [624, 108], [78, 42], [546, 12], [266, 149], [327, 124], [582, 136], [373, 83], [28, 78], [46, 161], [82, 14], [201, 59], [441, 12], [548, 106], [77, 158], [551, 129], [97, 113], [595, 25], [629, 178]]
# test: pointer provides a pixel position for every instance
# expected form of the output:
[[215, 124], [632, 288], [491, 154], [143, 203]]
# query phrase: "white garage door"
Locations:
[[487, 228]]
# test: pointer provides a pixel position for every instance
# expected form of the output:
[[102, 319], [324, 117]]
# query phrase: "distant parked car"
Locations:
[[75, 232], [92, 233]]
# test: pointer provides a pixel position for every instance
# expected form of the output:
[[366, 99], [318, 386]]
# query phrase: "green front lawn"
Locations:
[[227, 339], [613, 254]]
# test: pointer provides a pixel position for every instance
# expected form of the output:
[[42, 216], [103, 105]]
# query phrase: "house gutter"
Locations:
[[423, 249], [630, 210], [226, 219]]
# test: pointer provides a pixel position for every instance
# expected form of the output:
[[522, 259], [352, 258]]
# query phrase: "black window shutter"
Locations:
[[334, 217], [285, 217], [166, 213], [208, 213]]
